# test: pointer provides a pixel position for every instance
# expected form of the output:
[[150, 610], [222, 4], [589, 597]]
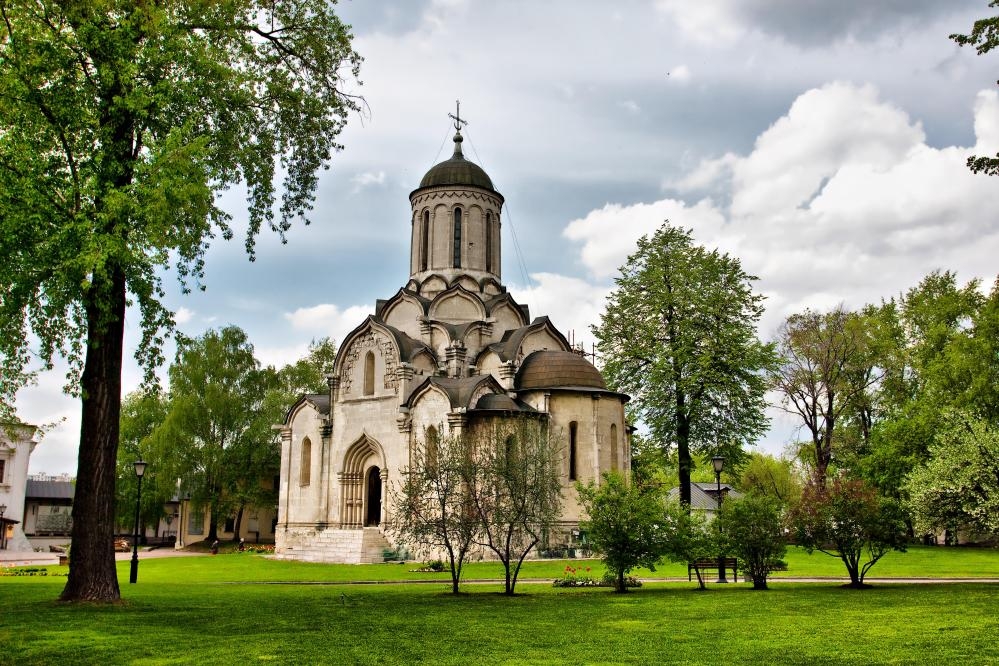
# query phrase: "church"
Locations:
[[450, 350]]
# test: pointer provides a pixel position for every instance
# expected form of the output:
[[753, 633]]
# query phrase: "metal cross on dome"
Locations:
[[456, 116]]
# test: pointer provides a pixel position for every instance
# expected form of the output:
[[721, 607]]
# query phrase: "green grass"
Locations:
[[212, 610]]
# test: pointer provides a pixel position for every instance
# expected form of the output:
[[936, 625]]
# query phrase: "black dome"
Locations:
[[457, 171]]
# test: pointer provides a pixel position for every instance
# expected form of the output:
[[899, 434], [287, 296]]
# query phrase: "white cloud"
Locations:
[[367, 179], [840, 201], [630, 105], [680, 74], [328, 319], [572, 304], [705, 21], [609, 234], [182, 316]]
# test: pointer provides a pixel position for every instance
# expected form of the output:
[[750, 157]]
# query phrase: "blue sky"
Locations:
[[822, 143]]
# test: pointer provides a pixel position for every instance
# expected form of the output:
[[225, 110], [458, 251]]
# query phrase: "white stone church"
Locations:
[[450, 350]]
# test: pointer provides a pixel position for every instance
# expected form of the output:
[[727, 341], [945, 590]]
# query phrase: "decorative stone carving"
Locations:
[[369, 341]]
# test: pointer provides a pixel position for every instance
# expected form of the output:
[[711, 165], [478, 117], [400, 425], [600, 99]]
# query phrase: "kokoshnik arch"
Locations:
[[450, 350]]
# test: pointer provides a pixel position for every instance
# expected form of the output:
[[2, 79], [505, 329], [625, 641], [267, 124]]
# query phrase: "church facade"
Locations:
[[451, 350]]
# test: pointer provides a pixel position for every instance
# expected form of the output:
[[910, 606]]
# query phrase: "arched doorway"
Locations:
[[373, 505]]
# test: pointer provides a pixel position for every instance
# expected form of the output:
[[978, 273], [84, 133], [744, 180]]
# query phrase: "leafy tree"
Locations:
[[958, 486], [679, 335], [825, 369], [625, 525], [850, 521], [141, 413], [944, 358], [308, 374], [691, 538], [119, 123], [984, 37], [215, 435], [432, 506], [774, 478], [515, 488], [754, 529]]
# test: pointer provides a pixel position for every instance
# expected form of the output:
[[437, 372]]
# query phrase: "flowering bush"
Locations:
[[576, 577], [580, 577]]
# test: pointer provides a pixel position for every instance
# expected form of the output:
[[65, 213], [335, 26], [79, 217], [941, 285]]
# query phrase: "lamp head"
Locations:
[[140, 468], [718, 462]]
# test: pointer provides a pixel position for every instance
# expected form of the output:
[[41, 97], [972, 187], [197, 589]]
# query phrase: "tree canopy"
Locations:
[[215, 436], [679, 335], [119, 123], [958, 486], [984, 36], [625, 524]]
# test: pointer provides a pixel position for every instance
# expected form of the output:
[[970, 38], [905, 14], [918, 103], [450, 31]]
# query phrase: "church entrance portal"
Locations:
[[373, 512]]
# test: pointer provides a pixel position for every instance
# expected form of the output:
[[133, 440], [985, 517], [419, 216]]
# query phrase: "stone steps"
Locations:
[[350, 546]]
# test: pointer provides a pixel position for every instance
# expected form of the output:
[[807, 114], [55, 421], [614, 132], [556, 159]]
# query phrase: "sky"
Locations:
[[821, 143]]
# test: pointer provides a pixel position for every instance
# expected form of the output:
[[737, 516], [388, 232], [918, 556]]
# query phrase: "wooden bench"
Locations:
[[712, 565]]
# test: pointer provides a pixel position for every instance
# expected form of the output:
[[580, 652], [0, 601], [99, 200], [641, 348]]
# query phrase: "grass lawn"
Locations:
[[213, 610]]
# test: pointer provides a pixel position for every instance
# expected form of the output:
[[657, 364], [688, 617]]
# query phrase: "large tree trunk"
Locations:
[[92, 575], [238, 523], [683, 452]]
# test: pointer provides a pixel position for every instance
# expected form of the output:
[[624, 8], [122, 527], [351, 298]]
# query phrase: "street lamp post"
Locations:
[[3, 528], [140, 469], [718, 462]]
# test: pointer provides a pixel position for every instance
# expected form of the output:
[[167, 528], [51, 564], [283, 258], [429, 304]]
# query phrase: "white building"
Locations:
[[17, 441], [450, 350]]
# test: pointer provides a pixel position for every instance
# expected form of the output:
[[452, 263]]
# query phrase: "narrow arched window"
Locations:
[[433, 448], [425, 241], [613, 445], [489, 242], [305, 471], [457, 238], [369, 373], [572, 451]]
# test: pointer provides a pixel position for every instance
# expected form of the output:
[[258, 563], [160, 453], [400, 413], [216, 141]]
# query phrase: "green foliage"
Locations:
[[850, 521], [958, 486], [433, 509], [679, 335], [624, 524], [308, 374], [514, 487], [984, 37], [754, 529], [215, 436], [141, 413], [416, 623], [945, 358], [120, 122], [826, 368], [690, 537], [770, 477]]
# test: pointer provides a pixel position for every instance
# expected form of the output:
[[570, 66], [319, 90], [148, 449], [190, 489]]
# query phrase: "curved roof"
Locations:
[[457, 171], [558, 369], [500, 402]]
